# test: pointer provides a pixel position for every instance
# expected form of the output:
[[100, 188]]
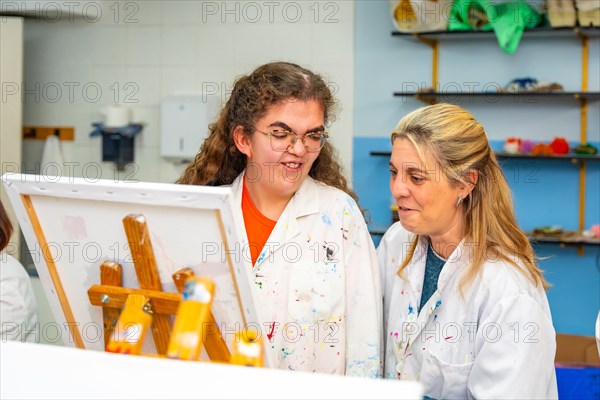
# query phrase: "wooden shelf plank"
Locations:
[[591, 96], [566, 32], [380, 231], [381, 153], [551, 240], [570, 156]]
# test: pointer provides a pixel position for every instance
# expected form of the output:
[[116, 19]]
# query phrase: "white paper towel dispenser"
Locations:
[[184, 124]]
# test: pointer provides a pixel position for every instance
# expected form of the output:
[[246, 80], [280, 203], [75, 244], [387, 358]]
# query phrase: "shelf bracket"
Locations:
[[434, 44], [585, 51]]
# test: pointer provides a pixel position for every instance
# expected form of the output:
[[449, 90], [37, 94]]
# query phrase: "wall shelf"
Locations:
[[569, 156], [427, 96], [575, 242], [381, 153], [590, 157], [584, 96], [542, 33], [377, 230]]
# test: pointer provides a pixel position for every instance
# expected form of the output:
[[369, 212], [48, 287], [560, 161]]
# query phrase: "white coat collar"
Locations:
[[457, 260], [303, 203]]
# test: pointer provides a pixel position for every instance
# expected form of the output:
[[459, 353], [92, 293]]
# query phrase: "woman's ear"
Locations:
[[471, 179], [242, 141]]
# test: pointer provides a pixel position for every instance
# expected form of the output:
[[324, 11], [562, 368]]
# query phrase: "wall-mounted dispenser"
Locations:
[[184, 121], [118, 135]]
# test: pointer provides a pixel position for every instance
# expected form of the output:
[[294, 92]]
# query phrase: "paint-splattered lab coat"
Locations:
[[317, 285], [497, 342], [18, 305]]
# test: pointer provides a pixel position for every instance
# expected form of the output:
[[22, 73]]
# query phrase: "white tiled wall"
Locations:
[[153, 49], [142, 51]]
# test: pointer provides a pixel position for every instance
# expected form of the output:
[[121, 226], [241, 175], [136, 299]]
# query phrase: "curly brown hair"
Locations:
[[219, 161], [6, 228]]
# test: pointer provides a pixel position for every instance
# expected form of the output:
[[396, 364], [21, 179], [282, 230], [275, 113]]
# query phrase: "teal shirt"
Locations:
[[433, 267]]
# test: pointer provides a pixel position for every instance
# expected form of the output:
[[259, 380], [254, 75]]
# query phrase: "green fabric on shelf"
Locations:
[[508, 20]]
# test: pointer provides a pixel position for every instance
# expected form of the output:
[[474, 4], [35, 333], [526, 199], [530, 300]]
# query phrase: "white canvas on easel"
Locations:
[[79, 223], [124, 377]]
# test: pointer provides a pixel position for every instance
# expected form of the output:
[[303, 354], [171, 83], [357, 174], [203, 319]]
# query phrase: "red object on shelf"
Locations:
[[559, 146]]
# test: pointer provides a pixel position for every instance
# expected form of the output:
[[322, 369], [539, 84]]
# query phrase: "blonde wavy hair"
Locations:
[[219, 161], [457, 141]]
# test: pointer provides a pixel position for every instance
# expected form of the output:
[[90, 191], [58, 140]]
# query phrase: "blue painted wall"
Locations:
[[545, 191]]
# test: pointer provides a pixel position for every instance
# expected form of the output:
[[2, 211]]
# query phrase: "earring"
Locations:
[[460, 200]]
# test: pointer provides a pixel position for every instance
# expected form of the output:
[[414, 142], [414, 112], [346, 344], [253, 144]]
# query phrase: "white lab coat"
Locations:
[[496, 342], [18, 306], [317, 284]]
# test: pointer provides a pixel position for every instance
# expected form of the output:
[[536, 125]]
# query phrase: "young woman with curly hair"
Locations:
[[313, 262]]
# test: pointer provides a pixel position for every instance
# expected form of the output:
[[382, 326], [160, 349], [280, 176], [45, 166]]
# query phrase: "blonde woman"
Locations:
[[465, 308]]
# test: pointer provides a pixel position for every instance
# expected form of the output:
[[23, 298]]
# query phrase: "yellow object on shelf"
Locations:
[[132, 326], [420, 15], [588, 12], [561, 13], [248, 349], [192, 320], [405, 14]]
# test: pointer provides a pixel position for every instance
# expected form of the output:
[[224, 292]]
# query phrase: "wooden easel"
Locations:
[[111, 296]]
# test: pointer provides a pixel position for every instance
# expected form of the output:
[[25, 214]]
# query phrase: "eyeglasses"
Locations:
[[282, 140]]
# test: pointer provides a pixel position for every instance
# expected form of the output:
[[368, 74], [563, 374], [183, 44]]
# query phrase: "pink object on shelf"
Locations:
[[527, 145]]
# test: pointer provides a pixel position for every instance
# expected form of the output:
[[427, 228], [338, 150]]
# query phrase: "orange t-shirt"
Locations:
[[258, 227]]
